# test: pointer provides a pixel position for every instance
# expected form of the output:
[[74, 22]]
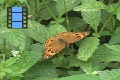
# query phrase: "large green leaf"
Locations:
[[86, 66], [81, 77], [110, 75], [43, 70], [26, 60], [91, 12], [55, 29], [3, 18], [34, 8], [17, 38], [92, 18], [2, 1], [75, 23], [58, 8], [87, 47], [37, 31], [70, 4], [41, 33], [22, 1], [73, 61], [105, 54], [38, 48], [113, 47]]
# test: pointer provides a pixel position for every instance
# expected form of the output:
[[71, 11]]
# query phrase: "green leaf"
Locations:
[[7, 70], [73, 61], [27, 59], [60, 63], [87, 47], [10, 61], [2, 37], [118, 15], [81, 77], [90, 5], [17, 38], [105, 54], [43, 70], [86, 66], [75, 22], [105, 33], [37, 31], [104, 17], [22, 1], [3, 18], [59, 8], [114, 74], [92, 18], [37, 48], [55, 29], [2, 1], [91, 12], [34, 8], [74, 72], [57, 21], [45, 14], [114, 10], [69, 4], [2, 74], [113, 47]]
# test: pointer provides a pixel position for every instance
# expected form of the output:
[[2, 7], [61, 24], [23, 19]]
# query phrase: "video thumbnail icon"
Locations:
[[17, 17]]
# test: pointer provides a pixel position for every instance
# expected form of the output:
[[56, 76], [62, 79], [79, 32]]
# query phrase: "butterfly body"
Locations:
[[54, 45]]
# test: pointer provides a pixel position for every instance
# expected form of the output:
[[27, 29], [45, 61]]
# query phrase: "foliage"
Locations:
[[98, 53]]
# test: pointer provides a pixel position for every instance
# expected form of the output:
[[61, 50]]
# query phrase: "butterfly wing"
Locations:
[[52, 46], [71, 37]]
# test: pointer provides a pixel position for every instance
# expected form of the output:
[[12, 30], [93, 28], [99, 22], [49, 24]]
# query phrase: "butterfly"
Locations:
[[54, 45]]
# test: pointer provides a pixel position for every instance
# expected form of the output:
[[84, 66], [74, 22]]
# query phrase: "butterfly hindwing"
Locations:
[[52, 46]]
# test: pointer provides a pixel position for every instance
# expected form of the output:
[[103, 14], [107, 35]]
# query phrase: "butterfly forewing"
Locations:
[[71, 37]]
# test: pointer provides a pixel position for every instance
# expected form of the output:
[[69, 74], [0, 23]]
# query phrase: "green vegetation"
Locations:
[[96, 57]]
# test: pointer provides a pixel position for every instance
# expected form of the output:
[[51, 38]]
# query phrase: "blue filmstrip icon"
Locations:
[[17, 17]]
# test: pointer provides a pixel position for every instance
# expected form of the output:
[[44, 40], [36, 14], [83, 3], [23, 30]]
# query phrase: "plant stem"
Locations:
[[4, 49], [36, 9], [67, 20]]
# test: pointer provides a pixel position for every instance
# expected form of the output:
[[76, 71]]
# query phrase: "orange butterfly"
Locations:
[[54, 45]]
